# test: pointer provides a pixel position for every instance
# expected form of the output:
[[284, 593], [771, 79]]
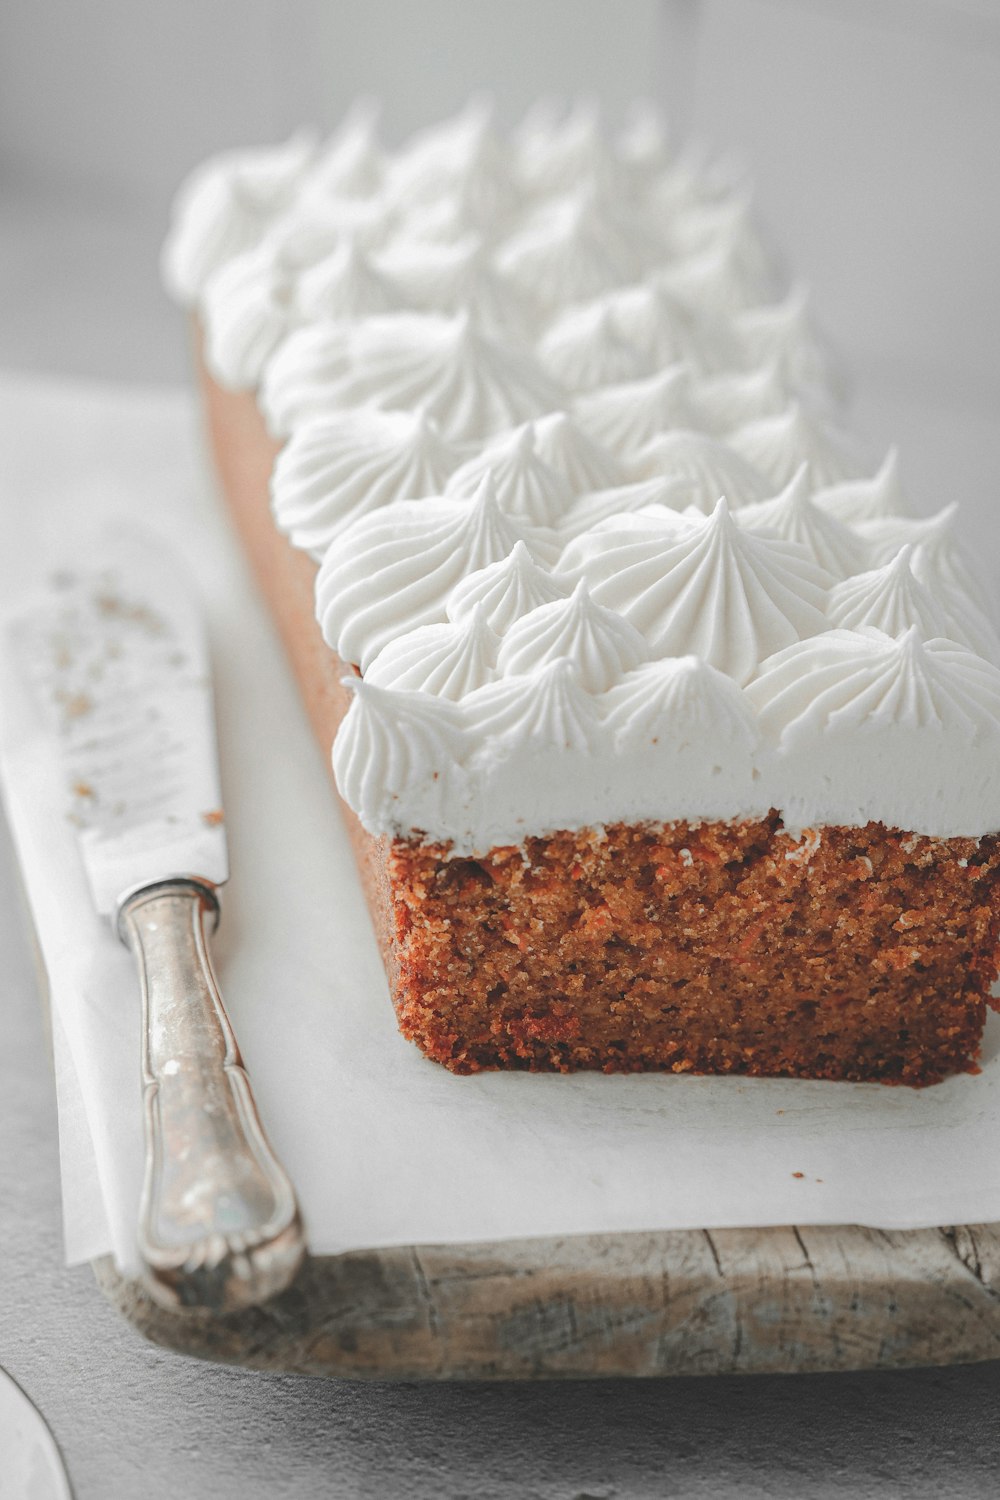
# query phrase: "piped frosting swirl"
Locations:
[[397, 567], [703, 586], [334, 469]]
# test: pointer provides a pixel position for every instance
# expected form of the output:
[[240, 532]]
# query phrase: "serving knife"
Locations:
[[117, 666]]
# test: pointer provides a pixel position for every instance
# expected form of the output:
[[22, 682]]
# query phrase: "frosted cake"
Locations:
[[667, 737]]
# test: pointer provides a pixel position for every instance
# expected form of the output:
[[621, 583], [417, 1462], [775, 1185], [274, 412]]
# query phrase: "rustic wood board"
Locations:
[[736, 1301]]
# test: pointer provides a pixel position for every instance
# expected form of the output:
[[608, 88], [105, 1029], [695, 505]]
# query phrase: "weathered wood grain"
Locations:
[[684, 1303]]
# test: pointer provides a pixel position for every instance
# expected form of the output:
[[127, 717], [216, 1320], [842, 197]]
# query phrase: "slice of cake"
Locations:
[[665, 738]]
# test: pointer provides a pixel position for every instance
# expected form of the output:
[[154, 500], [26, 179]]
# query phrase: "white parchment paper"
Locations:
[[384, 1147]]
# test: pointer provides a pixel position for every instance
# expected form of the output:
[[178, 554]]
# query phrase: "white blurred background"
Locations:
[[871, 128]]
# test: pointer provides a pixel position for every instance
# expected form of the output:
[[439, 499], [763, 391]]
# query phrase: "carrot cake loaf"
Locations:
[[667, 737]]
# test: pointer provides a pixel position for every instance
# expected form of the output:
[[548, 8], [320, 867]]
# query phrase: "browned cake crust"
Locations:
[[725, 948]]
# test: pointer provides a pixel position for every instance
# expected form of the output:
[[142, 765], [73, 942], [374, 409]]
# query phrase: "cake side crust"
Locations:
[[244, 455]]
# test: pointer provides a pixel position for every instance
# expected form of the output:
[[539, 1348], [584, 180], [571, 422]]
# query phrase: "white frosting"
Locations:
[[584, 349], [300, 377], [702, 586], [352, 164], [599, 643], [642, 145], [727, 221], [554, 155], [246, 312], [464, 162], [337, 468], [730, 400], [938, 562], [777, 446], [530, 754], [582, 516], [785, 333], [599, 505], [524, 484], [872, 499], [448, 660], [505, 590], [452, 277], [395, 568], [626, 417], [932, 536], [866, 727], [892, 599], [706, 467], [794, 516], [224, 208], [316, 224], [720, 276], [346, 284], [668, 331], [584, 463], [576, 247], [383, 752], [469, 382]]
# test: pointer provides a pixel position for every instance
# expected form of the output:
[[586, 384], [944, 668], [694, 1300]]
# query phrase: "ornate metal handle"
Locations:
[[219, 1226]]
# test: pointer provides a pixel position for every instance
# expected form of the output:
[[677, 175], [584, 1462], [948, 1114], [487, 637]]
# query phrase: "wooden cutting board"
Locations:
[[734, 1301]]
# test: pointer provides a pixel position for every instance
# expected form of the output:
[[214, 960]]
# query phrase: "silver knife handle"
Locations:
[[219, 1226]]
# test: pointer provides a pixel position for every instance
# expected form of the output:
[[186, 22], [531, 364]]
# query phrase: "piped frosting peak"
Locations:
[[892, 599], [584, 463], [246, 313], [336, 468], [453, 276], [584, 348], [507, 589], [574, 248], [777, 446], [701, 705], [385, 744], [627, 416], [346, 285], [847, 681], [785, 333], [396, 568], [448, 660], [225, 207], [469, 382], [854, 500], [703, 586], [705, 467], [599, 643], [524, 484], [797, 518], [550, 710]]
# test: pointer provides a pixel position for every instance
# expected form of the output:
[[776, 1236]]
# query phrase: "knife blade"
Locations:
[[117, 666]]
